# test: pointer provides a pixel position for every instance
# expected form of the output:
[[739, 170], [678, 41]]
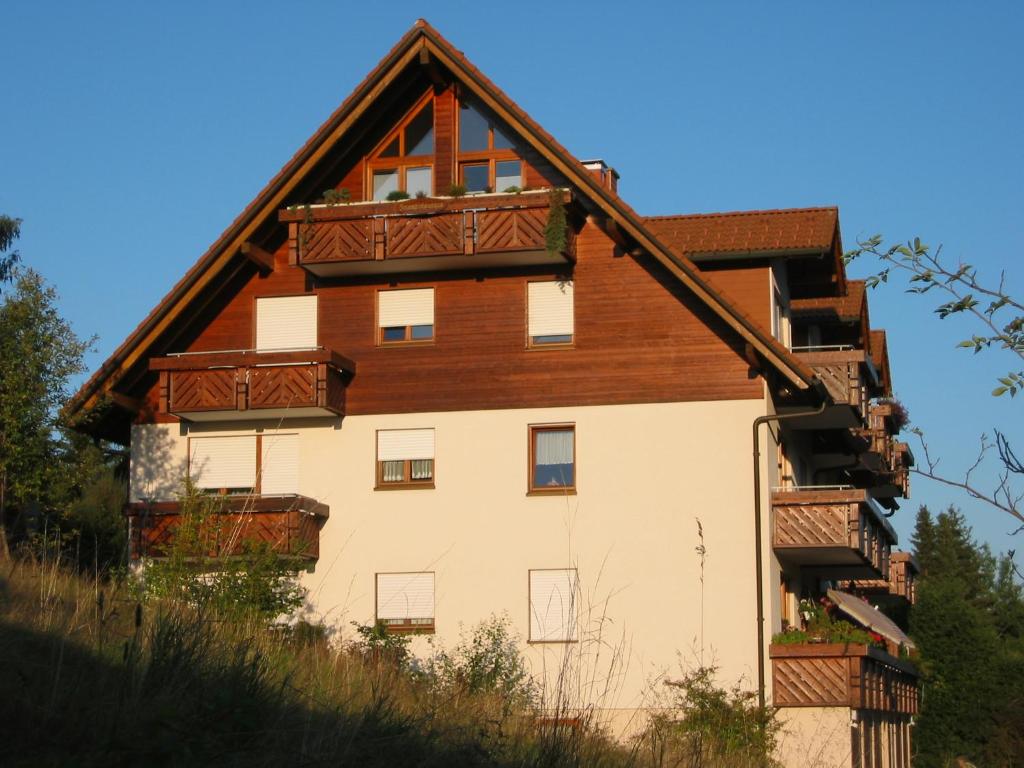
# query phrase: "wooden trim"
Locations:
[[249, 357], [264, 260], [562, 490]]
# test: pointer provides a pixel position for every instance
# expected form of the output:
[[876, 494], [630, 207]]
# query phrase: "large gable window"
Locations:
[[403, 162], [487, 162]]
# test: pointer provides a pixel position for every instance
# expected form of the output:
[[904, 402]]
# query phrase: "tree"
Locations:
[[39, 352], [967, 624], [1000, 319], [10, 230]]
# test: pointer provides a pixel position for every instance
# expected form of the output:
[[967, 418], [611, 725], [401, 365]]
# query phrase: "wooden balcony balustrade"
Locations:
[[901, 584], [843, 675], [839, 532], [424, 234], [248, 384], [290, 524], [848, 375], [893, 459]]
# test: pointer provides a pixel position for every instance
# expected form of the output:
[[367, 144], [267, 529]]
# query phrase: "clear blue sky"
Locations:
[[133, 133]]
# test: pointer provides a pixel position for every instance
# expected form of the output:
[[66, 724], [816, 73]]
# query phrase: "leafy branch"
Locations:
[[1001, 316]]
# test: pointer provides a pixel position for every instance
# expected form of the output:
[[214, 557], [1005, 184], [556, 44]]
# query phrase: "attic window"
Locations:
[[403, 161], [487, 162]]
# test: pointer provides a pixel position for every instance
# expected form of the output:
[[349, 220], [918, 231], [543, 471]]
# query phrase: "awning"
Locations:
[[870, 617]]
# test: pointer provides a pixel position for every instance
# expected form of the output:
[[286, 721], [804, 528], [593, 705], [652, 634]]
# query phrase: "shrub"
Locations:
[[396, 195], [336, 196], [457, 190]]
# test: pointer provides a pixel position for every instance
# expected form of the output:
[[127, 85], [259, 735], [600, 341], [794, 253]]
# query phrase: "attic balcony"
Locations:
[[428, 234], [901, 584], [847, 373], [839, 532], [290, 524], [843, 675], [248, 384]]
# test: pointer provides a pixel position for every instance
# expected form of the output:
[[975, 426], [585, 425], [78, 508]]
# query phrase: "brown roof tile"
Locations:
[[846, 308], [744, 232]]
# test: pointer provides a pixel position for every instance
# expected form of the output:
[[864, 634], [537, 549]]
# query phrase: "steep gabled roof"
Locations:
[[741, 233], [424, 42]]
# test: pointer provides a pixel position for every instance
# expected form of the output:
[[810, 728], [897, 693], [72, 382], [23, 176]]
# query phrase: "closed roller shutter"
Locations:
[[405, 444], [407, 307], [223, 462], [405, 596], [551, 308], [279, 467], [553, 605], [286, 322]]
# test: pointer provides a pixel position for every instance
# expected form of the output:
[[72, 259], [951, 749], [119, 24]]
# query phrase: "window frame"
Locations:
[[551, 345], [490, 156], [548, 490], [407, 340], [402, 162], [406, 627], [406, 483]]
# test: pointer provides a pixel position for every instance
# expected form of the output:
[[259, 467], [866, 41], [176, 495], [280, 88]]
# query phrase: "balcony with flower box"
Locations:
[[838, 531], [290, 524], [426, 234], [248, 384]]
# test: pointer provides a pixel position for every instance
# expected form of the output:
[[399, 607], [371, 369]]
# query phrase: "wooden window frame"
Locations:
[[490, 156], [407, 341], [403, 162], [547, 490], [405, 626], [553, 345], [529, 607], [407, 483]]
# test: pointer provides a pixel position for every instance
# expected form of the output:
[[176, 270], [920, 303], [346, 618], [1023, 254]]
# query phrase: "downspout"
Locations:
[[759, 579]]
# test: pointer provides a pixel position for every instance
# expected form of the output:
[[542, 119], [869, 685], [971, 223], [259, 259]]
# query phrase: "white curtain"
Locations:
[[553, 447]]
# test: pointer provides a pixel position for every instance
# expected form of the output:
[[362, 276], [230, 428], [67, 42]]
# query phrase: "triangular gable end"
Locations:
[[422, 46]]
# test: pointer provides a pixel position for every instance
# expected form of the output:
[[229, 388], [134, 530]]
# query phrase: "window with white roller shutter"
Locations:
[[550, 314], [405, 315], [405, 458], [279, 464], [286, 322], [554, 605], [405, 601], [217, 463]]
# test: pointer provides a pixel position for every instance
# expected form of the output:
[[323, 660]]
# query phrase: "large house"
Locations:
[[443, 363]]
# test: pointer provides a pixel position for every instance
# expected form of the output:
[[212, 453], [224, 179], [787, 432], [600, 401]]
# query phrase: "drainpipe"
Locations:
[[759, 580]]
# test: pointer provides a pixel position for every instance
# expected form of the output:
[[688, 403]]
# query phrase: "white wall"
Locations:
[[645, 473]]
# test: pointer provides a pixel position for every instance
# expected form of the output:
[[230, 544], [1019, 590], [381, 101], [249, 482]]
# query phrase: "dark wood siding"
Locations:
[[745, 286], [640, 337]]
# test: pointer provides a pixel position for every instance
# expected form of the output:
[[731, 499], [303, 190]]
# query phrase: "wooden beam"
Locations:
[[431, 67], [130, 404], [263, 259]]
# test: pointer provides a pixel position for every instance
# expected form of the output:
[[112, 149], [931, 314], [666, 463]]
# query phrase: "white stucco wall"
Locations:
[[815, 737], [645, 474]]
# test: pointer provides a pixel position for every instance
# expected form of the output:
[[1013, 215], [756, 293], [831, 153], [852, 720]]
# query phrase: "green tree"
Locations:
[[39, 352], [10, 230]]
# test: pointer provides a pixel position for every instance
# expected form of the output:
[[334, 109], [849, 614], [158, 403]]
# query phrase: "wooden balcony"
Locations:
[[901, 583], [424, 234], [219, 386], [840, 533], [843, 675], [289, 524], [848, 375]]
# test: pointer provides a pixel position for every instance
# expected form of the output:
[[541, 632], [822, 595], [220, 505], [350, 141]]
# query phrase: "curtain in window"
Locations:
[[422, 469], [394, 471], [554, 447]]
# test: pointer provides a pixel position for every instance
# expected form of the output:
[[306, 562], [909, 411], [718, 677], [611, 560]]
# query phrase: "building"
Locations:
[[511, 393]]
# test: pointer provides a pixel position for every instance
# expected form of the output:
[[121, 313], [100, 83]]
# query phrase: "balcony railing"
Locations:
[[843, 675], [839, 531], [424, 234], [290, 524], [901, 583], [245, 384], [892, 459], [848, 374]]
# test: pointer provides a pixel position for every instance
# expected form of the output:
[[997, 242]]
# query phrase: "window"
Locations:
[[404, 160], [487, 162], [405, 316], [550, 313], [553, 605], [286, 322], [405, 601], [226, 464], [405, 458], [552, 459], [229, 464]]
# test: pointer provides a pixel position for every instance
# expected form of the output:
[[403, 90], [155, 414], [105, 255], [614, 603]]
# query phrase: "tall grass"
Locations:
[[90, 677]]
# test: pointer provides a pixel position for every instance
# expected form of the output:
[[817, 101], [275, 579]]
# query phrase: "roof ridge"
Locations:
[[722, 214]]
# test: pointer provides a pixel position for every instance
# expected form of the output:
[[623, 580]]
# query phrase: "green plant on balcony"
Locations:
[[555, 231], [900, 415], [821, 627], [397, 194], [457, 190], [336, 196]]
